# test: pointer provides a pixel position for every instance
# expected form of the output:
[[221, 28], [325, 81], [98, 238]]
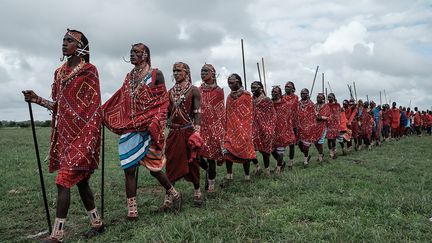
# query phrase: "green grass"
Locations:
[[379, 196]]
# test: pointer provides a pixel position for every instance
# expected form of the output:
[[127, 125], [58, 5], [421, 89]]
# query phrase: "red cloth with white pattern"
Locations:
[[147, 110], [333, 123], [263, 124], [322, 110], [212, 122], [307, 122], [286, 113], [238, 128], [76, 119], [366, 124]]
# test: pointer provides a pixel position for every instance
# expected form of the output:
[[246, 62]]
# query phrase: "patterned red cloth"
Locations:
[[379, 126], [352, 123], [323, 111], [263, 124], [238, 128], [212, 122], [307, 121], [284, 123], [178, 151], [394, 118], [418, 121], [293, 102], [76, 119], [366, 124], [147, 110], [386, 118], [333, 123], [195, 143]]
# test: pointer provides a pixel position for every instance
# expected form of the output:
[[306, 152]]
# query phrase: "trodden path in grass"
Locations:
[[375, 196]]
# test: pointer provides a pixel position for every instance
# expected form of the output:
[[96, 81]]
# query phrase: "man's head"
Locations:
[[234, 82], [289, 88], [257, 88], [304, 94]]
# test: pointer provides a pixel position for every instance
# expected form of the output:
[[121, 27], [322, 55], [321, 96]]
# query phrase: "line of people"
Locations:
[[204, 131]]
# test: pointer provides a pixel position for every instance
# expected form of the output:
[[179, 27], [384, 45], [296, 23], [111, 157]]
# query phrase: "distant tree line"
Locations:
[[46, 123]]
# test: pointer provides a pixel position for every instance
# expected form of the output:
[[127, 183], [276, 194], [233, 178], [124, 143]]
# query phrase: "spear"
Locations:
[[316, 72], [409, 104], [103, 171], [367, 98], [244, 68], [326, 93], [259, 73], [264, 76]]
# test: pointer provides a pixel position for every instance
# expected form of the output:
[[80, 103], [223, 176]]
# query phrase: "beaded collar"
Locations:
[[237, 93]]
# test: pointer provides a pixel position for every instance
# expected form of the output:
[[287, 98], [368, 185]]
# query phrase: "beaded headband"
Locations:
[[75, 35]]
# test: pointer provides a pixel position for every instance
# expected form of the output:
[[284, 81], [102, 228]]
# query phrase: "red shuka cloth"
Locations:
[[366, 124], [212, 122], [307, 122], [394, 118], [147, 110], [238, 127], [286, 113], [386, 118], [417, 119], [178, 145], [379, 126], [333, 123], [263, 124], [352, 123], [321, 126], [292, 104], [76, 120]]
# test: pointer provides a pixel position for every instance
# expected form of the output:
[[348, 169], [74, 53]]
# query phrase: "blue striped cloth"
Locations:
[[133, 147]]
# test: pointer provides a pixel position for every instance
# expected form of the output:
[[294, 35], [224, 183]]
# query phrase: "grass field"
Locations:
[[383, 195]]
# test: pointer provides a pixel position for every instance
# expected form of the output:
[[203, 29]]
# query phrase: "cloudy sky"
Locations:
[[381, 45]]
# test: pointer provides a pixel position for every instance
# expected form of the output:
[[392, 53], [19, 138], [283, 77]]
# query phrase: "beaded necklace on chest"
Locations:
[[178, 93], [136, 76], [303, 104]]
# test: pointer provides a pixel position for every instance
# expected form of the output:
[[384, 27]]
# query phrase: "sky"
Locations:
[[380, 45]]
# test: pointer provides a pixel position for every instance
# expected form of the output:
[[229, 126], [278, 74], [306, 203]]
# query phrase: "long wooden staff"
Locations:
[[313, 83], [350, 90], [264, 75], [323, 83], [103, 171], [40, 169], [355, 91], [244, 68], [259, 73]]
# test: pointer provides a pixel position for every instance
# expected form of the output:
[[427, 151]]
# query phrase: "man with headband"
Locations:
[[284, 133], [212, 124], [76, 130], [292, 104], [238, 143], [333, 124], [263, 126], [184, 140], [138, 112]]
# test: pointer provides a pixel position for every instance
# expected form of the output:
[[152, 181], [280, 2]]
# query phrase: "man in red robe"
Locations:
[[292, 102], [284, 128], [138, 112], [344, 132], [212, 123], [307, 125], [76, 130], [238, 143], [418, 121], [322, 111], [333, 124], [184, 140], [394, 121], [386, 122], [350, 113], [263, 125], [366, 125]]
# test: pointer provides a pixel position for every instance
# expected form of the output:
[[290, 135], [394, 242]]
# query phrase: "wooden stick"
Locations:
[[313, 83], [264, 74], [259, 73], [355, 91], [244, 68], [331, 90], [323, 83], [380, 98], [48, 218], [350, 90]]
